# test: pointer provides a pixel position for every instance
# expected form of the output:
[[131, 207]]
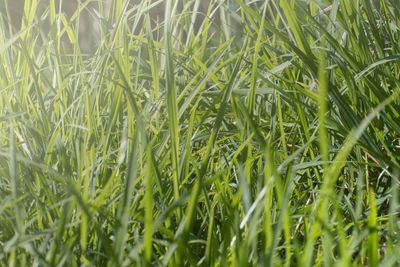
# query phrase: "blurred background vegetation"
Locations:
[[90, 15]]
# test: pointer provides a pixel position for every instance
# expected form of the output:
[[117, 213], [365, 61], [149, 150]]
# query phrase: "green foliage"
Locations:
[[268, 134]]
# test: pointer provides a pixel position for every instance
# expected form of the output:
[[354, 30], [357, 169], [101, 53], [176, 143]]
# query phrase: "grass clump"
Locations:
[[262, 133]]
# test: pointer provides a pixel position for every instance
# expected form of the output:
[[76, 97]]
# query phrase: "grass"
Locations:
[[267, 135]]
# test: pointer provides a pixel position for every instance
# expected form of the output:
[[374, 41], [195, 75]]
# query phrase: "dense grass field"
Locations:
[[266, 134]]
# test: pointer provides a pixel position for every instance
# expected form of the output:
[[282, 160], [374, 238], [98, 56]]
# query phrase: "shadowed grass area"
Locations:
[[270, 136]]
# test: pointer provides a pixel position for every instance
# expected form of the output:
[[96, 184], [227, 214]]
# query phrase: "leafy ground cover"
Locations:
[[269, 138]]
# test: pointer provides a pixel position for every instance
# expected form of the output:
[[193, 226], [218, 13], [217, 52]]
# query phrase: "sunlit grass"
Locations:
[[269, 134]]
